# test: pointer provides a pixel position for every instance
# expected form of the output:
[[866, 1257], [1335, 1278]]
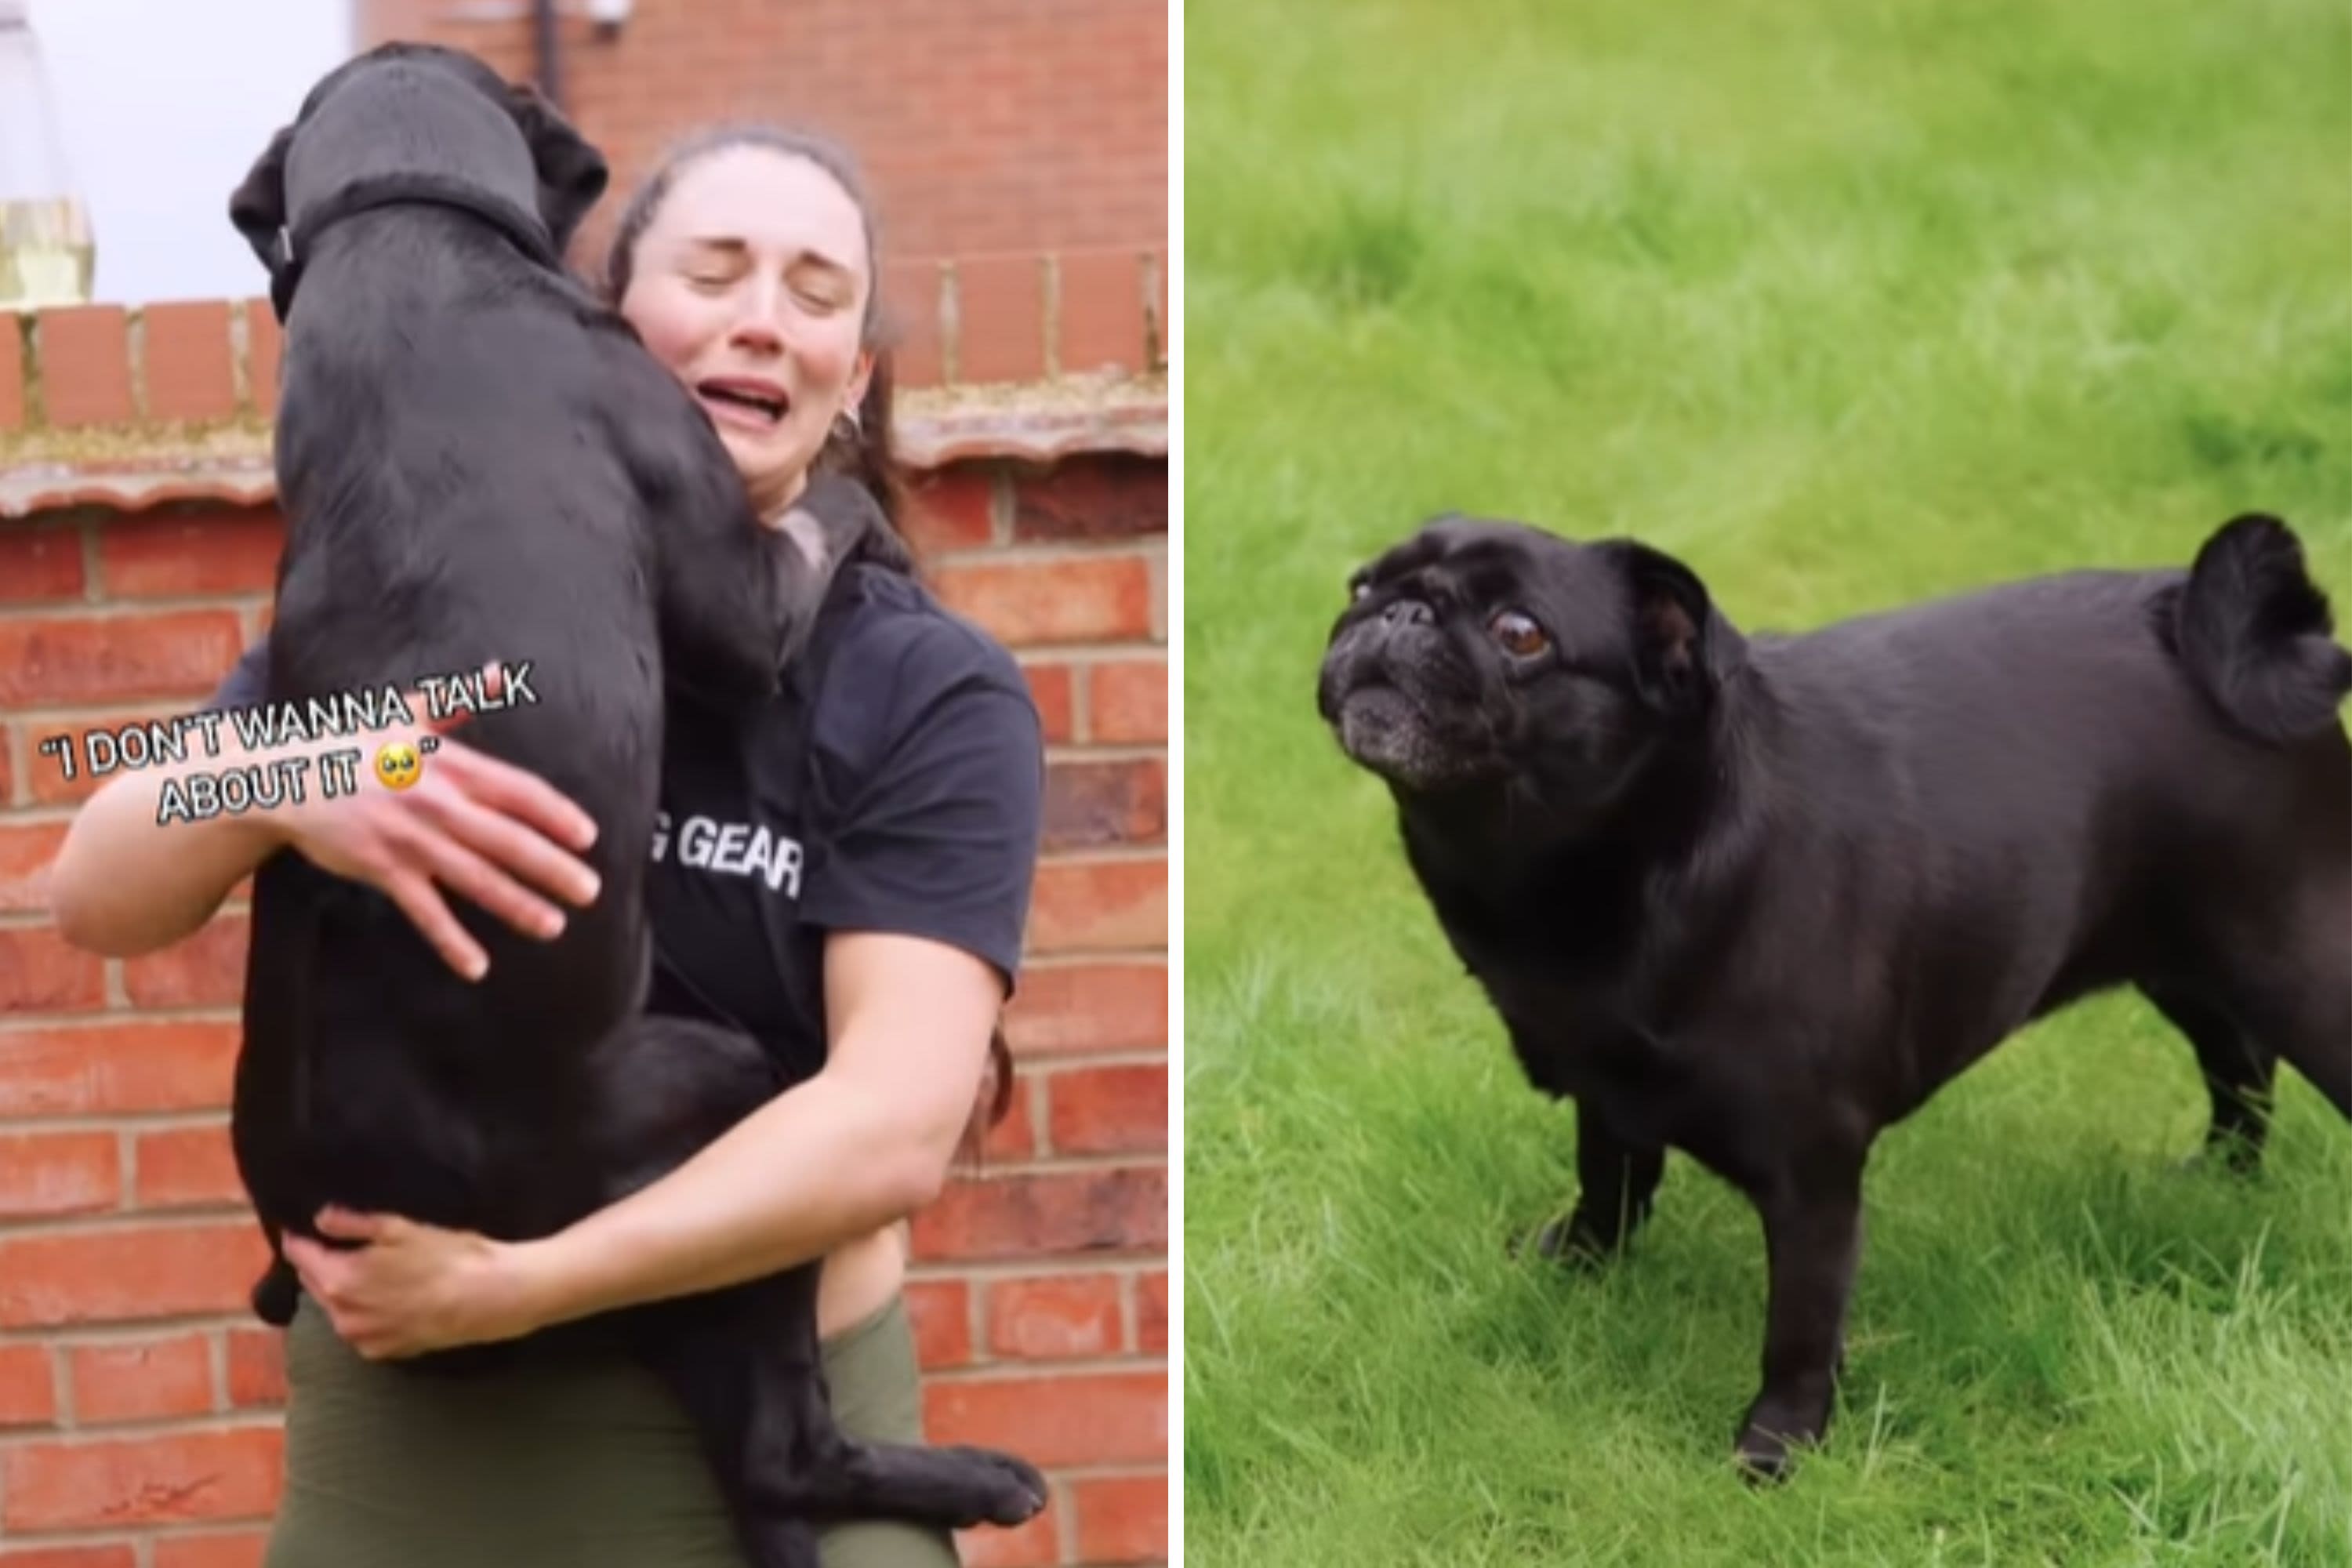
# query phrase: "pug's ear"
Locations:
[[571, 174], [257, 207], [1681, 647]]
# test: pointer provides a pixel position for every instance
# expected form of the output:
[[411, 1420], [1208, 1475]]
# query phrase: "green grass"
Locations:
[[1847, 305]]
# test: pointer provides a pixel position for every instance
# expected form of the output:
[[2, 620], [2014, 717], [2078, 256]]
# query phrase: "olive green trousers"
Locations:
[[587, 1465]]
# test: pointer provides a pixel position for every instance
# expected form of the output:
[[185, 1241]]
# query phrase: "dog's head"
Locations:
[[1479, 653], [569, 173]]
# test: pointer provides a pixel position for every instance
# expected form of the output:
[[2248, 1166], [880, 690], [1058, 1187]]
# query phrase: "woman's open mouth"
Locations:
[[744, 401]]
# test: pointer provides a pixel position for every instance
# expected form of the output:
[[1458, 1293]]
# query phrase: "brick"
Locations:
[[1000, 318], [1127, 703], [1015, 1137], [189, 373], [1102, 325], [39, 974], [1122, 1518], [910, 303], [1097, 599], [7, 767], [1151, 1313], [203, 970], [39, 563], [1098, 905], [952, 509], [57, 1174], [187, 1167], [1055, 1319], [940, 1310], [146, 1380], [265, 344], [1088, 1007], [257, 1368], [27, 1391], [1091, 805], [1090, 1418], [1037, 1544], [110, 1069], [118, 1276], [25, 854], [1109, 1110], [1018, 1216], [119, 658], [182, 1476], [1051, 687], [13, 410], [208, 552], [86, 365], [68, 1557], [1110, 497], [228, 1549]]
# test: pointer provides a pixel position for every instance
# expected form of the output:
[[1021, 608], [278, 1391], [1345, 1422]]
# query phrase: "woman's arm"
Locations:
[[124, 884], [866, 1142]]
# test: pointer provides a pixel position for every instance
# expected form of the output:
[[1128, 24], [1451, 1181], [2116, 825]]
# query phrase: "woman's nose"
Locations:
[[760, 317]]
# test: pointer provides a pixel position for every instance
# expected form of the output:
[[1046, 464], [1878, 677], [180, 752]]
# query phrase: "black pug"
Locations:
[[478, 462], [1756, 898]]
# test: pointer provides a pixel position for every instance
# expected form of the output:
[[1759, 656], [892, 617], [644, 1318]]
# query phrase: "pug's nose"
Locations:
[[1408, 612]]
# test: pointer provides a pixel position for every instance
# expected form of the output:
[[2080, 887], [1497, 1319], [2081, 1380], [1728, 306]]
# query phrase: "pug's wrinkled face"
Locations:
[[1480, 654]]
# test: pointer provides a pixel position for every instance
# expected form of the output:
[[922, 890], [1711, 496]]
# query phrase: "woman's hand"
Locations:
[[493, 832], [411, 1288]]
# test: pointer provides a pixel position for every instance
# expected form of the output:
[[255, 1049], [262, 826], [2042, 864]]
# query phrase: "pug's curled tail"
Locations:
[[2254, 631]]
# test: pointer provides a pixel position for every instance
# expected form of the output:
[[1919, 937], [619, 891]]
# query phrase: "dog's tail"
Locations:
[[2254, 631]]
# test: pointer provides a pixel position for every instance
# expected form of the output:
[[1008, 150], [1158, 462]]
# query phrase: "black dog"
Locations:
[[479, 463], [1757, 898]]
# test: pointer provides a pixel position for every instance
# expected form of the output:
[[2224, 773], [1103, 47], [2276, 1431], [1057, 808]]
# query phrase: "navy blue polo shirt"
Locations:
[[896, 784]]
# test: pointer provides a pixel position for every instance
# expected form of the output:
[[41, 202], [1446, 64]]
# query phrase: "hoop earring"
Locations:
[[847, 426]]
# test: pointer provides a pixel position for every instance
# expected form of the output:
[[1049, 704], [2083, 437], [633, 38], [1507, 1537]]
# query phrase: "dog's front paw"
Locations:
[[1005, 1490], [1767, 1442], [1575, 1242]]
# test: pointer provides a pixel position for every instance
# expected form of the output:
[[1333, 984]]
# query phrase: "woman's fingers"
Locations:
[[523, 795], [521, 864], [443, 852], [421, 901]]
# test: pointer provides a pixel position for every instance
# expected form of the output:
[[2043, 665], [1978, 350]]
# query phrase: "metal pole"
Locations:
[[550, 62]]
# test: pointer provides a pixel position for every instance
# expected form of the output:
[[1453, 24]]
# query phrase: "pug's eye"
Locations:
[[1518, 634], [1357, 591]]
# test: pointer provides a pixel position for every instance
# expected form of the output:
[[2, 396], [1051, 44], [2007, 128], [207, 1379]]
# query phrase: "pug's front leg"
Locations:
[[1616, 1179], [1812, 1239]]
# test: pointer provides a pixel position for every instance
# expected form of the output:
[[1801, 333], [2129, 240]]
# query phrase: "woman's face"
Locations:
[[750, 283]]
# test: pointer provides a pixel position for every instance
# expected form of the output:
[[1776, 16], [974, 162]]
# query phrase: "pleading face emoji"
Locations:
[[397, 765]]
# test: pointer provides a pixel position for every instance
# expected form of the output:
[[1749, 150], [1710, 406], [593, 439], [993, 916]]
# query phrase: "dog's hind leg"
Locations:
[[746, 1364], [2239, 1075], [1617, 1177], [2287, 978], [2310, 1024], [746, 1360]]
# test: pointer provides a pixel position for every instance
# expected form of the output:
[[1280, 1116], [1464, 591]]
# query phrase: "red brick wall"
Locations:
[[138, 1402], [1019, 125]]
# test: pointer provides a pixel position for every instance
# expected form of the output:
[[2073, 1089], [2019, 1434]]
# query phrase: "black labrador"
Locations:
[[1757, 897], [478, 462]]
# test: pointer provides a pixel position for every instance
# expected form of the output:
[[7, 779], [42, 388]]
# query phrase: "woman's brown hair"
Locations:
[[860, 448]]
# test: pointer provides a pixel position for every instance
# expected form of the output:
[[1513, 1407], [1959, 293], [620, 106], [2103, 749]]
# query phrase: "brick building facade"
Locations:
[[1016, 125], [139, 1420]]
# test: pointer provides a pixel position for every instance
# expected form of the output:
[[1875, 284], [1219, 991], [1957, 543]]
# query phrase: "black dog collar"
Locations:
[[296, 241]]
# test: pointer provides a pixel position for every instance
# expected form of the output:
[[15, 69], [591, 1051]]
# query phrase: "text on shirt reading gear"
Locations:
[[734, 848]]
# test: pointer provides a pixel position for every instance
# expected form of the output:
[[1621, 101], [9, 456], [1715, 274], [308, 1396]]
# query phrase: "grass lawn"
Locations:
[[1846, 304]]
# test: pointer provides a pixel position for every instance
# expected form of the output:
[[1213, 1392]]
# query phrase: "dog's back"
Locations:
[[2083, 781]]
